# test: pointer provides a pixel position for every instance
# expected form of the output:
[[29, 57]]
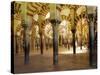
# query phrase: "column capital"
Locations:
[[90, 16], [73, 30], [55, 21]]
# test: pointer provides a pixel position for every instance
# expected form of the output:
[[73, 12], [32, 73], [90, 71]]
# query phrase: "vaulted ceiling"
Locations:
[[37, 8]]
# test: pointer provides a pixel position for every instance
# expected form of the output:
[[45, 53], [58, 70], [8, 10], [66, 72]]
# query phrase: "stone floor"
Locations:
[[44, 63]]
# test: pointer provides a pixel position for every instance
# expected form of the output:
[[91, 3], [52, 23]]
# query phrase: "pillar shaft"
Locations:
[[41, 43], [73, 28], [16, 45], [55, 23], [74, 46], [26, 46], [48, 43], [55, 45], [91, 42], [60, 40], [44, 46]]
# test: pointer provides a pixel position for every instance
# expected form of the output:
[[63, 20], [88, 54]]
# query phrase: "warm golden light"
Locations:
[[65, 11], [70, 51]]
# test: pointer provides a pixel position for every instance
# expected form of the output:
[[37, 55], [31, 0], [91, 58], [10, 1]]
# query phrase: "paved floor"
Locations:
[[44, 63]]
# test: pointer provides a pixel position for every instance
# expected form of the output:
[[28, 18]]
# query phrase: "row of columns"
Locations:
[[55, 23], [35, 43], [55, 43]]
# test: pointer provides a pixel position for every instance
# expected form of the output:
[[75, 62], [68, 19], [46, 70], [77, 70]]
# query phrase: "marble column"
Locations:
[[41, 42], [26, 45], [91, 41], [74, 46], [73, 28], [55, 40]]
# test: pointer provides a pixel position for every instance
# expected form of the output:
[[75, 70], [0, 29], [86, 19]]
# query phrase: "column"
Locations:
[[60, 40], [33, 43], [74, 46], [41, 42], [55, 41], [81, 35], [54, 21], [46, 43], [73, 28], [26, 45], [40, 21], [91, 41], [44, 46], [16, 43], [32, 40]]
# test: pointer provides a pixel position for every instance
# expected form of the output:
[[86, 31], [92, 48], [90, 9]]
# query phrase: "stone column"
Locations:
[[81, 36], [41, 42], [33, 43], [54, 20], [16, 44], [40, 21], [26, 45], [44, 46], [91, 41], [74, 46], [55, 40], [60, 40], [73, 28]]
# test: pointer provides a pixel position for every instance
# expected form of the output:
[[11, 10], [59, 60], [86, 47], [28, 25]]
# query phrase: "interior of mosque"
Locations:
[[55, 28]]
